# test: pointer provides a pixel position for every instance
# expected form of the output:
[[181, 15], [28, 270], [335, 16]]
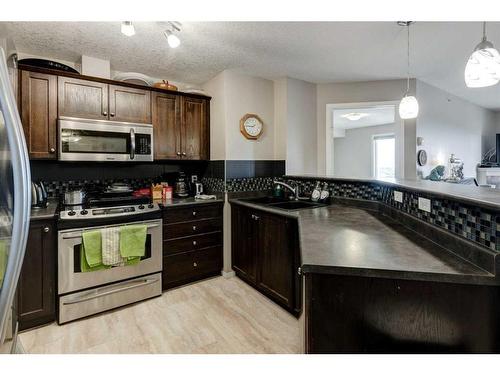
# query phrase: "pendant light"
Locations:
[[408, 107], [483, 66]]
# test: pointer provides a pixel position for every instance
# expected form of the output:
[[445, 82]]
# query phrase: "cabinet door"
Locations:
[[39, 113], [83, 99], [276, 258], [166, 126], [243, 252], [195, 137], [129, 104], [36, 287]]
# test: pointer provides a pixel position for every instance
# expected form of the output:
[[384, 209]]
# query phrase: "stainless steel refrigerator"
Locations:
[[15, 203]]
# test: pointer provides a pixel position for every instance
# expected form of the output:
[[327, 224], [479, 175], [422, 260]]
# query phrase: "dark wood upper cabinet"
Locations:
[[83, 99], [36, 287], [129, 104], [38, 107], [195, 137], [166, 126]]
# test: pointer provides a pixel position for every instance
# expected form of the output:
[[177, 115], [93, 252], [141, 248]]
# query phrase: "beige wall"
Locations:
[[215, 88], [301, 139], [356, 92]]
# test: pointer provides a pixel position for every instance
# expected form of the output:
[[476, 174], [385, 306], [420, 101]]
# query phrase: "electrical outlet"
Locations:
[[398, 196], [424, 204], [194, 178]]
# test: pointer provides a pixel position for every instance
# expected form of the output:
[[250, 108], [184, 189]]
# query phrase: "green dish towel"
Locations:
[[92, 247], [133, 242], [3, 260], [84, 266]]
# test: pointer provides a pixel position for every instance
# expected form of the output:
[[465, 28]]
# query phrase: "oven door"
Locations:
[[99, 140], [71, 278]]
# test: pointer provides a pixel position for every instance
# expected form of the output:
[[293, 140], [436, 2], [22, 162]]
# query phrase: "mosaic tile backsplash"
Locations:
[[476, 224]]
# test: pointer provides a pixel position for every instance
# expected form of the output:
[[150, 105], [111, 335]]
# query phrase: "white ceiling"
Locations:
[[313, 51], [376, 115]]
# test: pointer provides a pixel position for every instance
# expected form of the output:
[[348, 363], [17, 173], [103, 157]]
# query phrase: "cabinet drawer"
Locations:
[[185, 229], [191, 243], [183, 268], [197, 212]]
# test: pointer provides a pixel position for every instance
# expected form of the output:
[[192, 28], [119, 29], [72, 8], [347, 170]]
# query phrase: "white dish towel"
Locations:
[[111, 247]]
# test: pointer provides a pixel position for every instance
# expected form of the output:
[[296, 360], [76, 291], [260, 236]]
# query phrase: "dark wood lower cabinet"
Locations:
[[192, 246], [265, 254], [350, 314], [36, 289]]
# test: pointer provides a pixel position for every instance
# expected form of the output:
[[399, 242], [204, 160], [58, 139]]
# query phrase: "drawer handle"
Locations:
[[194, 243], [126, 286], [195, 264], [194, 227]]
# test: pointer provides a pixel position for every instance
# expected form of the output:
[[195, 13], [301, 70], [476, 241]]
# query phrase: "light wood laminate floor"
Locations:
[[213, 316]]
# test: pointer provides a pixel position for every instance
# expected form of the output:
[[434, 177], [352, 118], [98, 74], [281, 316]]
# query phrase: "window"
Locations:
[[384, 159]]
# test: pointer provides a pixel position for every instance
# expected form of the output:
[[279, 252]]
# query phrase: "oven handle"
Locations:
[[132, 144], [78, 234], [129, 285]]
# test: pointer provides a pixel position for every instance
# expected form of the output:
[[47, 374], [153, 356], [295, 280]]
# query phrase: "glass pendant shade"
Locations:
[[483, 66], [408, 107], [172, 39]]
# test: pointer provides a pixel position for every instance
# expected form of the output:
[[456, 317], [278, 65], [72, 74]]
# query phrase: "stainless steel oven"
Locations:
[[101, 140], [86, 293]]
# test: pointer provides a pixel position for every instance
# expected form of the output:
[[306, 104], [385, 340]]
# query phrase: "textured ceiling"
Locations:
[[313, 51]]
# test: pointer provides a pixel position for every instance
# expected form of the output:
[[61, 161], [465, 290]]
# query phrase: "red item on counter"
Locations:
[[168, 192], [142, 193]]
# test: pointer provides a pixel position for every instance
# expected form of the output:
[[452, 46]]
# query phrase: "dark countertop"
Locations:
[[51, 210], [48, 212], [348, 240], [190, 201], [482, 196]]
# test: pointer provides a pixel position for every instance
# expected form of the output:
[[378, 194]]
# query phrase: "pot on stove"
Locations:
[[75, 197]]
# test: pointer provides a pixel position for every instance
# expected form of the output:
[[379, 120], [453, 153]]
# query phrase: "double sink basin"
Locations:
[[283, 204]]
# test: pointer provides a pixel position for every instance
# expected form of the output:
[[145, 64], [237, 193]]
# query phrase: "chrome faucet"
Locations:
[[294, 190]]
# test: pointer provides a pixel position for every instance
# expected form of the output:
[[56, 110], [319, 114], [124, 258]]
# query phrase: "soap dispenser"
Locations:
[[316, 194]]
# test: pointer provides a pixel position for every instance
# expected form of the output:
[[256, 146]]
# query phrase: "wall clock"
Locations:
[[251, 126], [422, 158]]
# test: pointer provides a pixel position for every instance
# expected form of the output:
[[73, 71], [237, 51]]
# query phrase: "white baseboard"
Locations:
[[228, 275]]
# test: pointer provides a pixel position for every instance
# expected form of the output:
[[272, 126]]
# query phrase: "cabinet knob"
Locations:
[[105, 113], [194, 243], [46, 229], [178, 153], [112, 114], [194, 227], [256, 217], [183, 154], [195, 264], [52, 150], [194, 213]]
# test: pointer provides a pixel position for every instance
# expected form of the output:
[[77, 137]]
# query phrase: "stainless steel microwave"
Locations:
[[100, 140]]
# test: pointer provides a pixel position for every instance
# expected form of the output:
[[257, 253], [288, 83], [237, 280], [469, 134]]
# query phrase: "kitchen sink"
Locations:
[[283, 204], [295, 205], [266, 200]]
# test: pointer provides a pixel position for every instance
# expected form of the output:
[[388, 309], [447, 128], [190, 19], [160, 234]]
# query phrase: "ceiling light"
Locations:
[[408, 107], [354, 116], [483, 66], [127, 28], [172, 39]]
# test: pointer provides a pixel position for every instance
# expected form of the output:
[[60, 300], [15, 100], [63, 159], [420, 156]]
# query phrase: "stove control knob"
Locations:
[[72, 213], [141, 207], [151, 205], [84, 212]]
